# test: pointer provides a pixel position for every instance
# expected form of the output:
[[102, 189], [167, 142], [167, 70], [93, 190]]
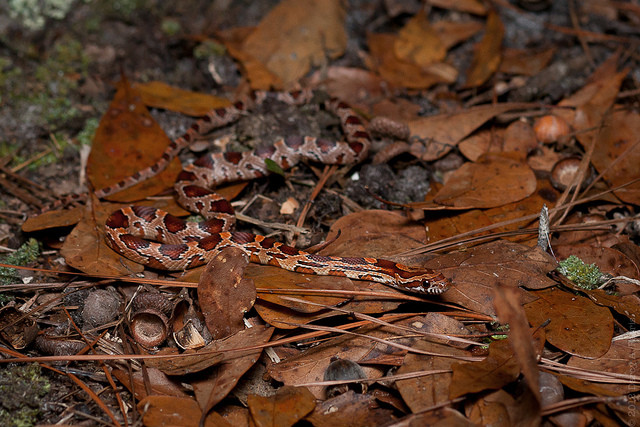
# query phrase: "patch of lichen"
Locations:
[[26, 254], [587, 276], [22, 388]]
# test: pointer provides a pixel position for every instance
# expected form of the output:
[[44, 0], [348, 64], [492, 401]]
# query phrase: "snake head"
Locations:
[[429, 282]]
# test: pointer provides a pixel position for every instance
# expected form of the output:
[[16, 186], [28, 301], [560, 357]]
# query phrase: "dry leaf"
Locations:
[[525, 61], [472, 6], [127, 141], [224, 295], [288, 406], [576, 325], [174, 411], [161, 95], [296, 35], [418, 42], [493, 181], [161, 384], [350, 409], [488, 53]]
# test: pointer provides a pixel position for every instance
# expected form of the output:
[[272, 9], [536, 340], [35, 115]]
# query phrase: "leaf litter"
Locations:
[[511, 342]]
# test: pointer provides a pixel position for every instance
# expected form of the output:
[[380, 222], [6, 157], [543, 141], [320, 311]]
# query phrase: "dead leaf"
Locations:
[[423, 392], [576, 325], [160, 384], [619, 139], [521, 337], [127, 141], [288, 406], [402, 73], [418, 42], [525, 61], [475, 272], [85, 247], [618, 359], [451, 33], [224, 295], [355, 84], [53, 219], [214, 385], [213, 353], [174, 411], [498, 369], [349, 409], [488, 53], [493, 181], [296, 35], [439, 134], [161, 95]]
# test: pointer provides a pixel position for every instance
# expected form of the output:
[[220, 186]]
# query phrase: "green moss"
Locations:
[[170, 26], [208, 48], [85, 137], [27, 253], [33, 14], [22, 388], [587, 276]]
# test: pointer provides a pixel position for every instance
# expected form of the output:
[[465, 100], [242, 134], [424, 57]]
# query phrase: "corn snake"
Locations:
[[159, 240]]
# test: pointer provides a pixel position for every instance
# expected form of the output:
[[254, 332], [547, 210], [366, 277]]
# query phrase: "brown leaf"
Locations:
[[212, 386], [52, 219], [288, 406], [477, 271], [160, 384], [620, 138], [418, 43], [174, 411], [627, 305], [126, 141], [521, 337], [525, 61], [423, 392], [402, 73], [224, 295], [161, 95], [497, 370], [355, 84], [492, 409], [576, 325], [451, 33], [85, 247], [488, 53], [298, 34], [495, 181], [619, 359], [212, 354], [472, 6], [349, 409], [442, 132]]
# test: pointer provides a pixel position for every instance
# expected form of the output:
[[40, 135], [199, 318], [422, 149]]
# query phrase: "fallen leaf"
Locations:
[[471, 6], [498, 369], [576, 325], [53, 219], [161, 95], [161, 385], [174, 411], [349, 409], [224, 295], [491, 182], [402, 73], [488, 53], [619, 359], [213, 385], [127, 141], [525, 61], [288, 406], [424, 392], [619, 141], [439, 134], [475, 272], [213, 353], [451, 33], [355, 84], [418, 42], [296, 35]]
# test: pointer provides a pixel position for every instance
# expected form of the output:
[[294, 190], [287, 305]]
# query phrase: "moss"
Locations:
[[22, 388], [33, 14], [587, 276], [85, 137], [26, 254], [208, 48]]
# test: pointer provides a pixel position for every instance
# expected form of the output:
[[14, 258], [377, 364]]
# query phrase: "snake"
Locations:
[[159, 240]]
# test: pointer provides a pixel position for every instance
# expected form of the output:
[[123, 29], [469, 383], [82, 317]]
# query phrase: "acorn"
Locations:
[[149, 327], [344, 370], [565, 170], [551, 128]]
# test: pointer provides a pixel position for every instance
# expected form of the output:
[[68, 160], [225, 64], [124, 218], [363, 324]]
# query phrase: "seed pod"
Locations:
[[149, 327]]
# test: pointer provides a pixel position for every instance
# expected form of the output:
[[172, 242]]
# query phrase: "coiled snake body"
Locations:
[[157, 239]]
